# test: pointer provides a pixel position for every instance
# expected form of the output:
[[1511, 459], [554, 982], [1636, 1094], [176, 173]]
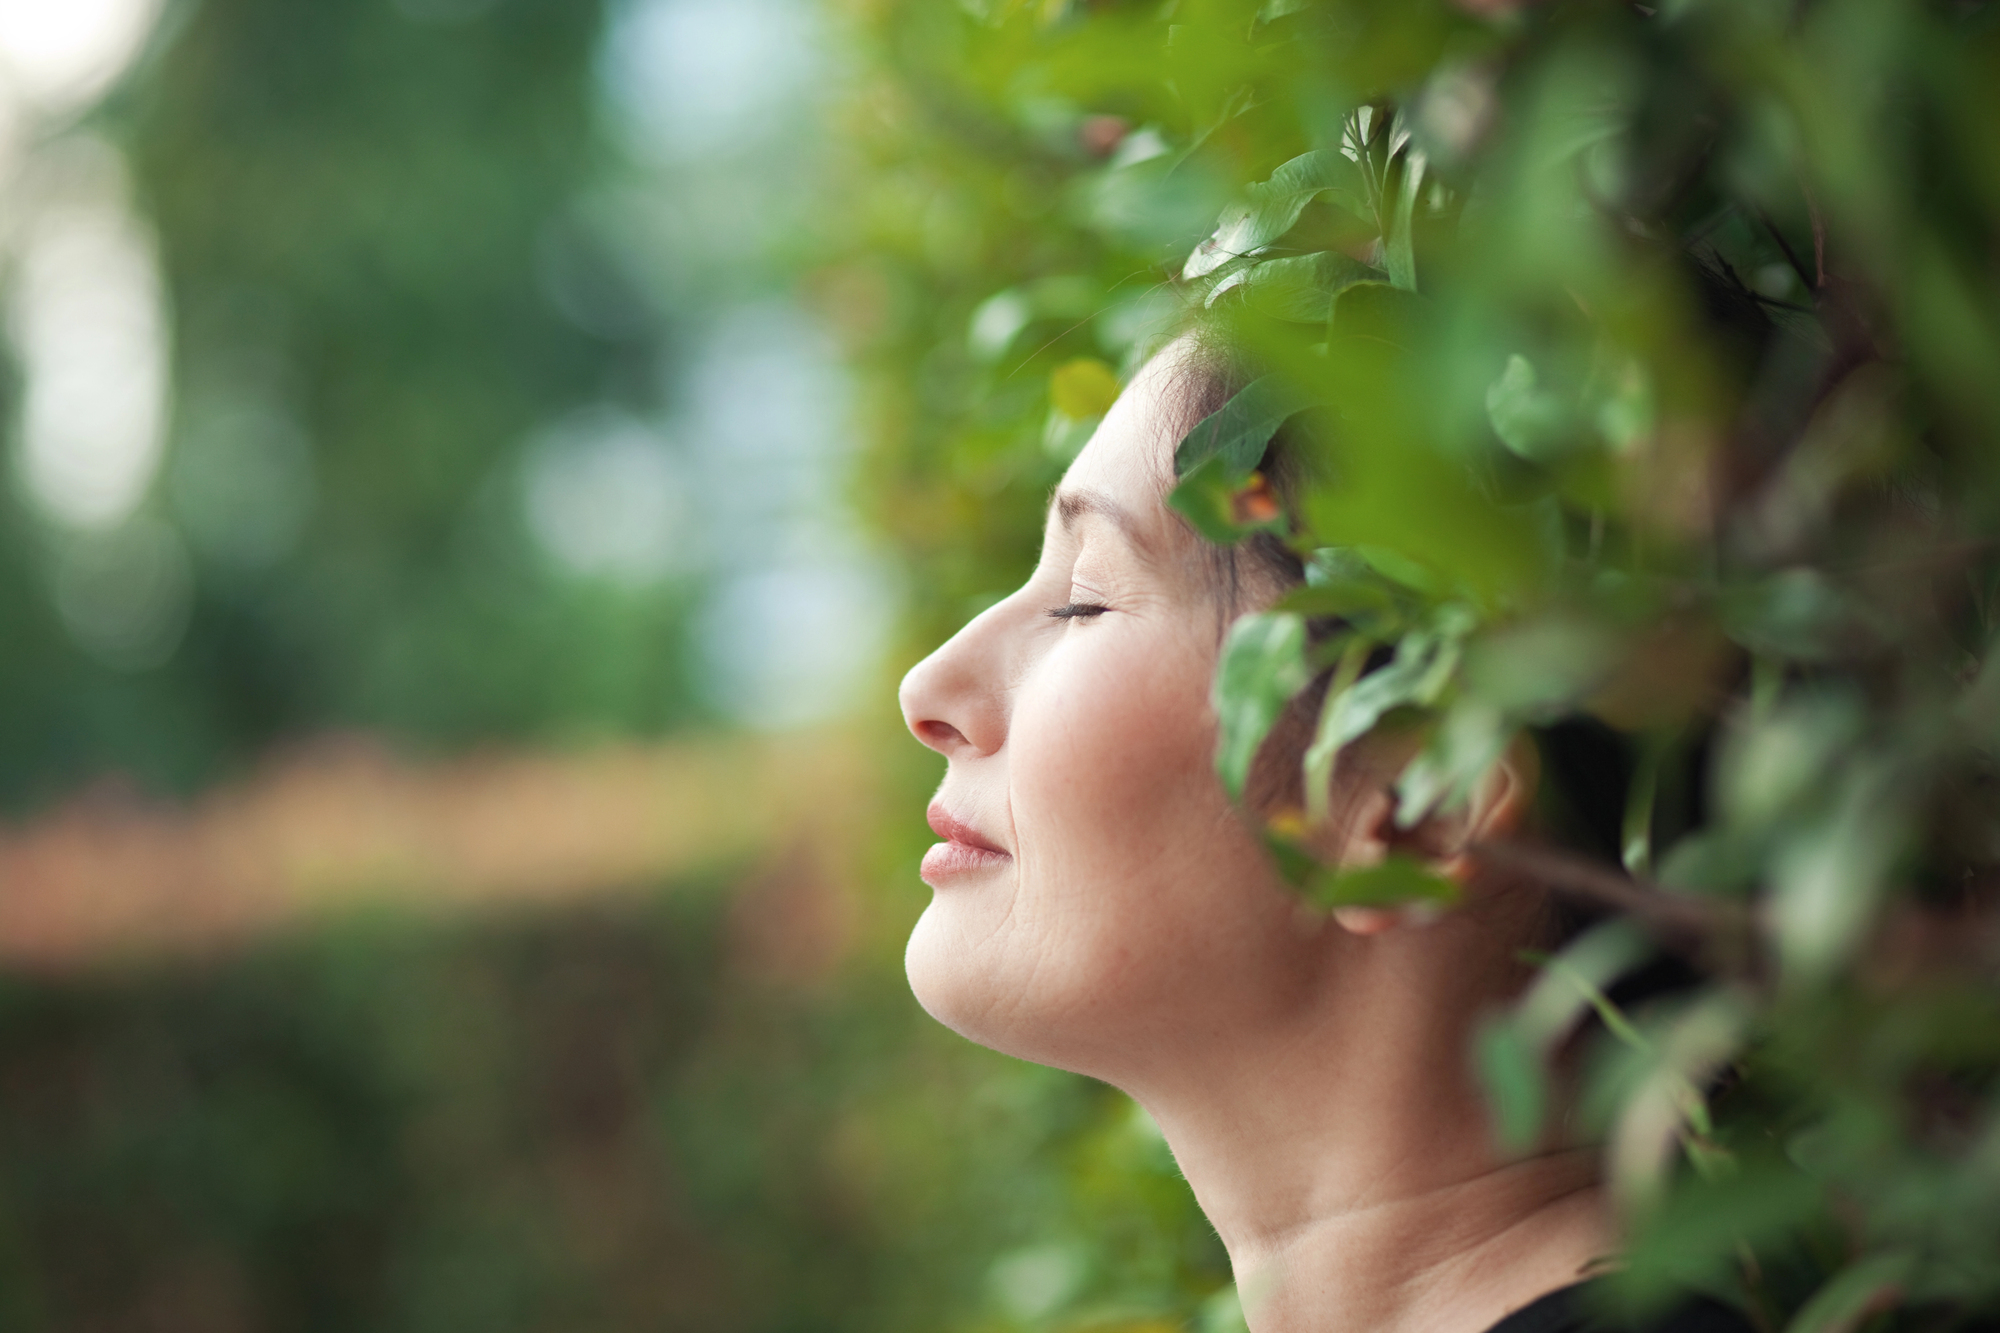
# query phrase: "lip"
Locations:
[[964, 849]]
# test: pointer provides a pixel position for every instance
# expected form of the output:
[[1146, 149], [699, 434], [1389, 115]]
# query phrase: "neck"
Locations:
[[1347, 1165]]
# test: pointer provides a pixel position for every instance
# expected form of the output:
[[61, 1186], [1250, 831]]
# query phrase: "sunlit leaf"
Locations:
[[1334, 728], [1667, 1100], [1390, 882], [1263, 665], [1399, 239], [1833, 872], [1574, 981], [1302, 288], [1355, 703], [1462, 750], [1276, 204], [997, 321], [1237, 433]]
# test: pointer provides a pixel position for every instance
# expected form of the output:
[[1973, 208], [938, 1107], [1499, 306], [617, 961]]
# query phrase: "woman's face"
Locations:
[[1095, 889]]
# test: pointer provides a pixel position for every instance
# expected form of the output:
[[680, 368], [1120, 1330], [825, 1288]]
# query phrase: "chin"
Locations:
[[1052, 1011], [951, 981]]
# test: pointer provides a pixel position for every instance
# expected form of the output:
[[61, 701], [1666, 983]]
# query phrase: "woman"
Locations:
[[1100, 906]]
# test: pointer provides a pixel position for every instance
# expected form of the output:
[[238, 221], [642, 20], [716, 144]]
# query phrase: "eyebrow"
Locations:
[[1071, 505]]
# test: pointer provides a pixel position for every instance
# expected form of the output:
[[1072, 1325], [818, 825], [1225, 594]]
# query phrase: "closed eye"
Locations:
[[1078, 610]]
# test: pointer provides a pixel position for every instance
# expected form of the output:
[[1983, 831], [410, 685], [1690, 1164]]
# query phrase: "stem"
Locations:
[[1676, 917], [1809, 279]]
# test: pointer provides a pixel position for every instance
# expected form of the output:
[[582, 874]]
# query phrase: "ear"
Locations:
[[1497, 806]]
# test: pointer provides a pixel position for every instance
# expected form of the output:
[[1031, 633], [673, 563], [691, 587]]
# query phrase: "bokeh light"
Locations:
[[58, 55]]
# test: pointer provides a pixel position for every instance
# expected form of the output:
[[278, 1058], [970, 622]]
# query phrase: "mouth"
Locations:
[[964, 849]]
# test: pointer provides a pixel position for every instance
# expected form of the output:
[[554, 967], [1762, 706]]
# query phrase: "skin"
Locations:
[[1309, 1071]]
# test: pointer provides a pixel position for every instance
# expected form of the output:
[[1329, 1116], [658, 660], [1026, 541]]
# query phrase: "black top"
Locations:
[[1560, 1312]]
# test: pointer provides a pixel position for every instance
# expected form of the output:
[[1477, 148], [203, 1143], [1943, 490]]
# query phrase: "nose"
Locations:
[[952, 701]]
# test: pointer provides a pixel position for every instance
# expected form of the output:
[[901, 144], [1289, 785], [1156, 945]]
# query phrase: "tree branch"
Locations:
[[1678, 917]]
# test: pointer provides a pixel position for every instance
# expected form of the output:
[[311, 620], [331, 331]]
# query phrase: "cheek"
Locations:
[[1127, 844], [1113, 746]]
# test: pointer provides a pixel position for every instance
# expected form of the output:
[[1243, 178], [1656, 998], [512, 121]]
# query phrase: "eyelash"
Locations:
[[1078, 611]]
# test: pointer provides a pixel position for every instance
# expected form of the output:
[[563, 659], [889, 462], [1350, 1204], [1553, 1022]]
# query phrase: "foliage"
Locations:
[[373, 234], [597, 1117], [1644, 357], [396, 236]]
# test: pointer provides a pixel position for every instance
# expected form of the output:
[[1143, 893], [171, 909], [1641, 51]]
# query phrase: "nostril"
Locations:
[[939, 735]]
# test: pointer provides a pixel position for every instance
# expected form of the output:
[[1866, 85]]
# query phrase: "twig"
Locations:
[[1685, 919], [1791, 256], [1819, 234]]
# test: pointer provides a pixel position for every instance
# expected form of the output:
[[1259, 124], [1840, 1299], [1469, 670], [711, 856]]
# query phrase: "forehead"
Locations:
[[1130, 460]]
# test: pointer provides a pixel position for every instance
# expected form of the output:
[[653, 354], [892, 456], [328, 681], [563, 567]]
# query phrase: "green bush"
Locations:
[[1648, 356]]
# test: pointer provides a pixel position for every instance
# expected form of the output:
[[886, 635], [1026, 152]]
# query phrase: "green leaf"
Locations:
[[1830, 874], [1263, 665], [1399, 240], [1798, 613], [1294, 861], [1332, 732], [1347, 598], [1782, 764], [1399, 493], [1627, 413], [1696, 1238], [1853, 1294], [1274, 207], [1423, 663], [1354, 712], [1517, 1091], [1238, 432], [1717, 862], [1302, 288], [1206, 497], [1664, 1102], [997, 322], [1393, 565], [1379, 312], [1391, 881], [1469, 741], [1543, 667], [1636, 842], [1529, 420], [1576, 978]]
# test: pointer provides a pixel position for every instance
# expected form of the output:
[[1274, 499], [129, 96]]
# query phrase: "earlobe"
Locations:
[[1368, 920], [1373, 836]]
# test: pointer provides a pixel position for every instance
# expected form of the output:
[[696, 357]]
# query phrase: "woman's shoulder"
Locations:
[[1565, 1311]]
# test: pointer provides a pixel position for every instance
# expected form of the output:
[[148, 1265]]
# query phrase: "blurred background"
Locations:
[[470, 490]]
